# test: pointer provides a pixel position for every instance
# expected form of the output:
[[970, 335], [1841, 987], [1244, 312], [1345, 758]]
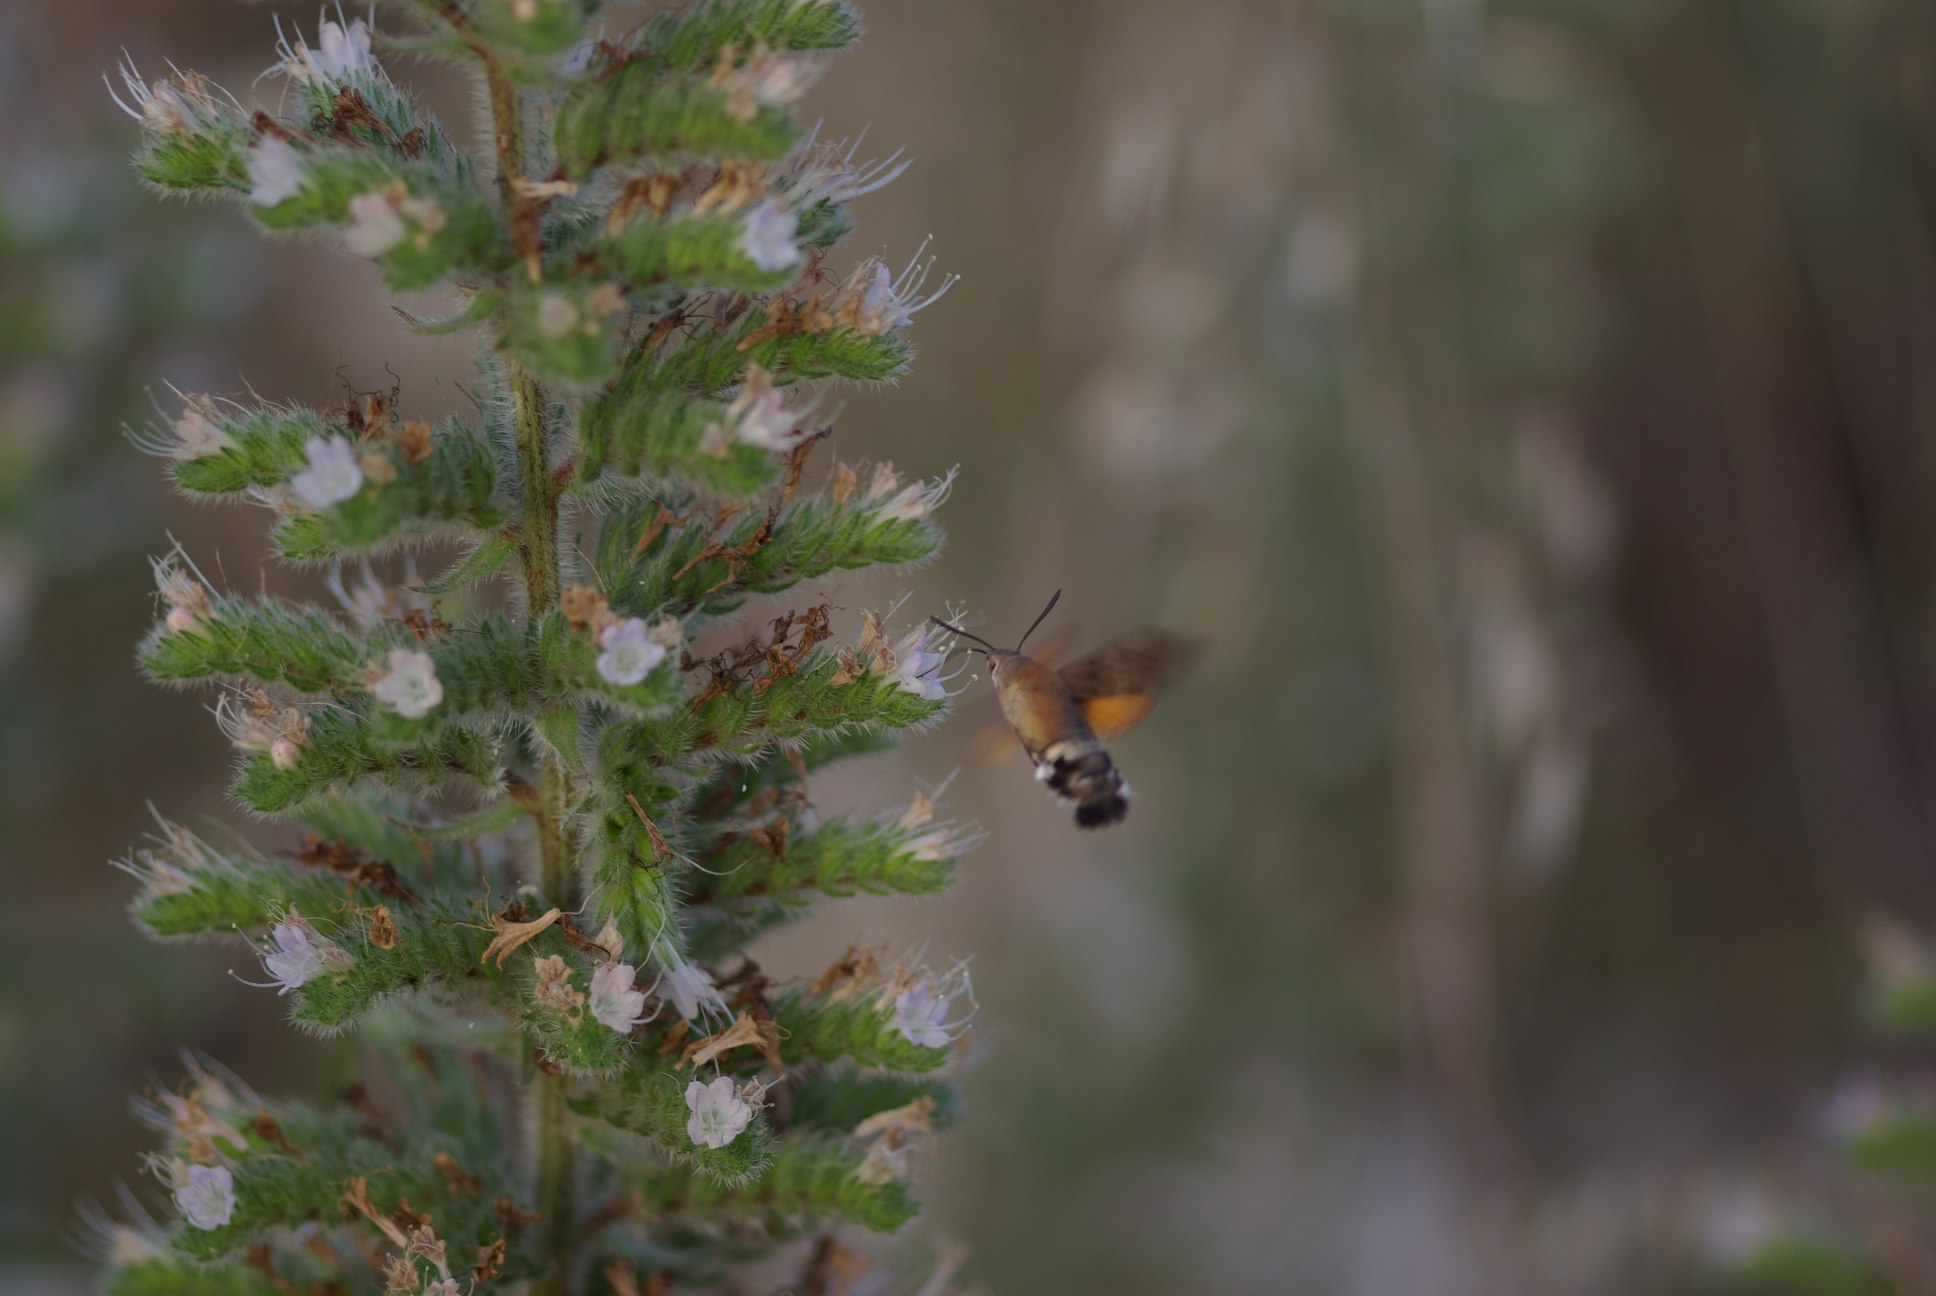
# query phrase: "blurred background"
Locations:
[[1529, 399]]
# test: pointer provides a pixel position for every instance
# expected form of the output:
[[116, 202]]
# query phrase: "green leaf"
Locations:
[[481, 563]]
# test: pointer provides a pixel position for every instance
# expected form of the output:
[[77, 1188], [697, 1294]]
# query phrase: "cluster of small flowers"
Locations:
[[719, 1112]]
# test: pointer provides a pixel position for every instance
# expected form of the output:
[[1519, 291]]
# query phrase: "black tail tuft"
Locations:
[[1083, 773], [1100, 813]]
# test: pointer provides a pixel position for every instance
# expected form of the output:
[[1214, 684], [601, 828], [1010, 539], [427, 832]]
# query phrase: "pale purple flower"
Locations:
[[577, 59], [206, 1196], [275, 172], [410, 686], [691, 989], [614, 1001], [874, 301], [300, 954], [630, 652], [719, 1114], [770, 237], [921, 1014], [375, 226], [332, 475], [919, 661], [827, 173]]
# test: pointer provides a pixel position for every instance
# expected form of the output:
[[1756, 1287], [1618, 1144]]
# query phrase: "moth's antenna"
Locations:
[[985, 648], [1038, 621]]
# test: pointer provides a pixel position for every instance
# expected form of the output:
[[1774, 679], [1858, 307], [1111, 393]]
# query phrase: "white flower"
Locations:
[[252, 721], [368, 602], [769, 238], [380, 220], [776, 79], [873, 302], [275, 172], [443, 1287], [300, 954], [764, 78], [198, 432], [376, 225], [759, 415], [341, 55], [921, 1015], [332, 476], [180, 105], [410, 686], [614, 1001], [188, 600], [718, 1113], [630, 652], [917, 499], [691, 989], [945, 841], [206, 1196], [887, 1161], [557, 316]]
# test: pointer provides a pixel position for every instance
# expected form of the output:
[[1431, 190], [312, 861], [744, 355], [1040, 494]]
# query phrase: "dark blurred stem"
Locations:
[[538, 561]]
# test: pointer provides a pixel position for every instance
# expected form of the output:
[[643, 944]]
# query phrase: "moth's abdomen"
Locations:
[[1083, 773], [1068, 756]]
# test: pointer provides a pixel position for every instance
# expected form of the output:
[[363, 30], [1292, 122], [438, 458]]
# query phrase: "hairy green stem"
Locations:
[[538, 561]]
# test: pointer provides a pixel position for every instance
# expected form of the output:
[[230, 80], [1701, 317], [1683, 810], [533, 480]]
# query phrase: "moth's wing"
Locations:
[[1118, 683]]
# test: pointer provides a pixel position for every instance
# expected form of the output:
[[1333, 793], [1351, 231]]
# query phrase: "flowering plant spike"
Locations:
[[534, 828]]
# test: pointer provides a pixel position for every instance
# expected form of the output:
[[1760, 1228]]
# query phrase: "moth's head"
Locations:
[[1000, 660]]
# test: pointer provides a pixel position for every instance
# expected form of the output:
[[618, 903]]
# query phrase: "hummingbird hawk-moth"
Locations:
[[1062, 716]]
